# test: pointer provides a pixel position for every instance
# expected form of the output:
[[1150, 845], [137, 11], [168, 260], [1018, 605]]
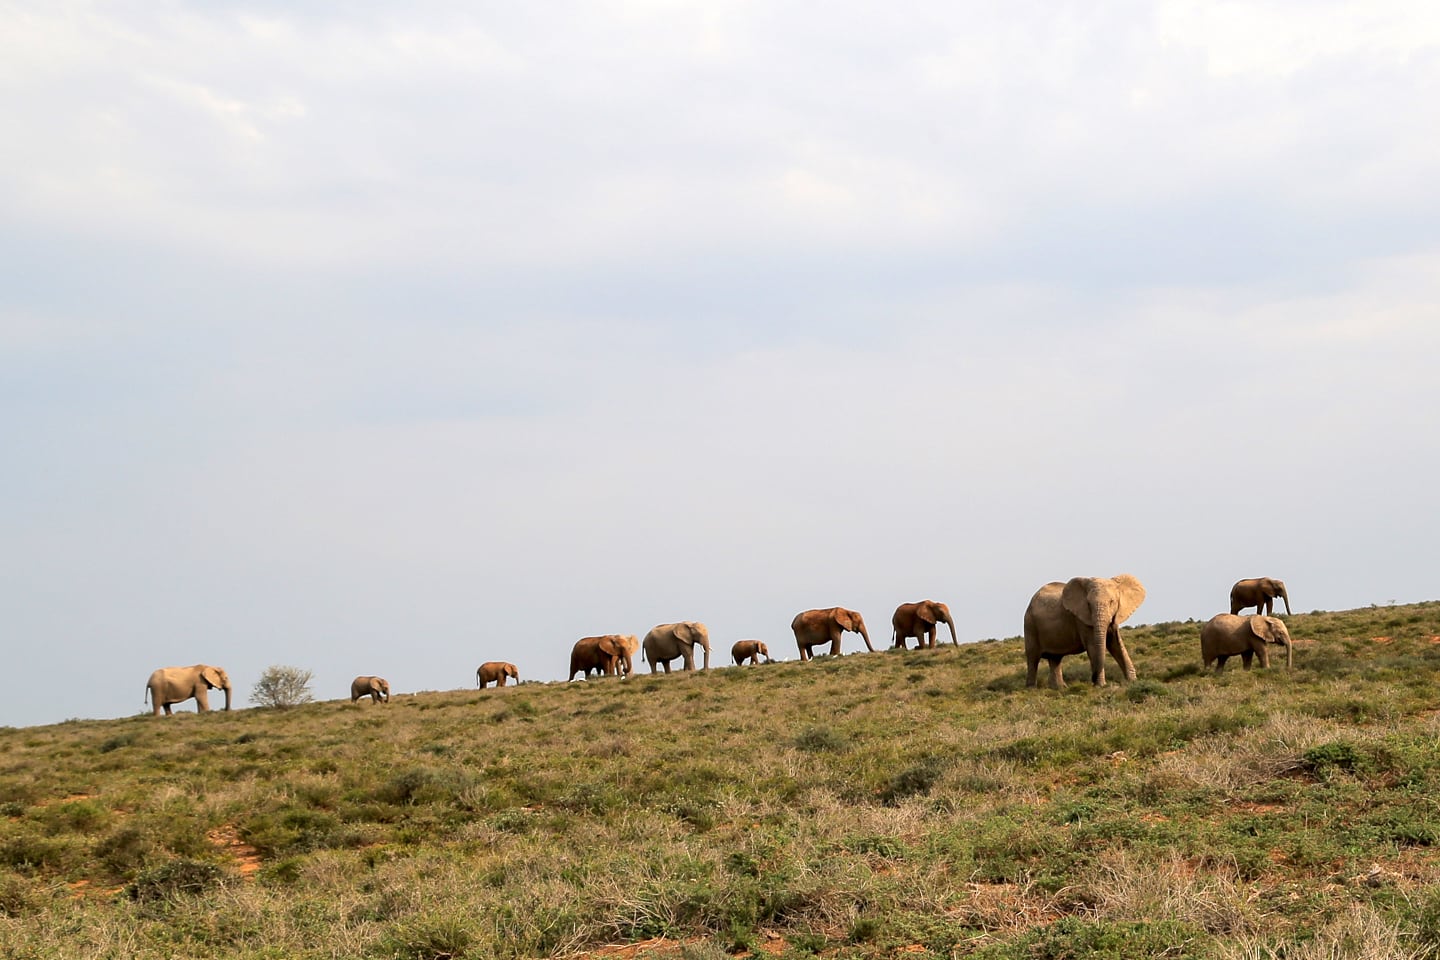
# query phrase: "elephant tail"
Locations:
[[146, 699]]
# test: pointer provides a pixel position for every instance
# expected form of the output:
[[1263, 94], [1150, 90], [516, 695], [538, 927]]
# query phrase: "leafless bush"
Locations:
[[282, 687]]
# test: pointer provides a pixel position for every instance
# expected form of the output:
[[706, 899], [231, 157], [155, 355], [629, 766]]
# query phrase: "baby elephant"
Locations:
[[495, 671], [376, 688], [1227, 634], [751, 650]]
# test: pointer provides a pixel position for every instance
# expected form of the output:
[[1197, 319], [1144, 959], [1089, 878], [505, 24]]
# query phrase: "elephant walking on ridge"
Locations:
[[376, 688], [666, 641], [1258, 592], [919, 620], [611, 654], [1226, 635], [1082, 615], [496, 672], [754, 651], [815, 627], [171, 685]]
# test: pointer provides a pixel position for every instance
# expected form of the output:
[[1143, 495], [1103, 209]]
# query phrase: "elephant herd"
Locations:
[[1082, 615]]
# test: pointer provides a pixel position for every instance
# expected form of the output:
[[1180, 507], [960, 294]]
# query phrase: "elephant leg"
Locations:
[[1121, 655], [1245, 658], [1220, 662], [168, 711], [1096, 654], [1032, 667], [835, 642], [1057, 676]]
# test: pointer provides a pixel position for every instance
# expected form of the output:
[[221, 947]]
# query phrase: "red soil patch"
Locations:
[[1381, 640], [228, 838]]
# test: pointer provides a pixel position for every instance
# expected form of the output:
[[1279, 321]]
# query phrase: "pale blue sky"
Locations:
[[390, 341]]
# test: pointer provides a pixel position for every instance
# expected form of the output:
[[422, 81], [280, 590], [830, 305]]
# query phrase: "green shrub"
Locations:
[[821, 740], [175, 878]]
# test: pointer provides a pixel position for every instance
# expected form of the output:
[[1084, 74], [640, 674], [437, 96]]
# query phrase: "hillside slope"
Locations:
[[860, 807]]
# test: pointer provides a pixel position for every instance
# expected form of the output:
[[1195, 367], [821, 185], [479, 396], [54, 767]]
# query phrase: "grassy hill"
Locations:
[[865, 806]]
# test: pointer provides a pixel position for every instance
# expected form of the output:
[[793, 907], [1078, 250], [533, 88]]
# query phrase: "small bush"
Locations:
[[282, 687], [175, 878], [917, 779], [820, 740]]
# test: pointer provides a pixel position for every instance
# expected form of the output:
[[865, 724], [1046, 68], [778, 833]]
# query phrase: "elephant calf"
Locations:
[[376, 688], [496, 672], [1226, 635], [751, 650]]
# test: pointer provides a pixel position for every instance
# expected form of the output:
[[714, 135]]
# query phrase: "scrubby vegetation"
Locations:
[[920, 802]]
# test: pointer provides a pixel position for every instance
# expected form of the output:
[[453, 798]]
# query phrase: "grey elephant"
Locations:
[[496, 672], [1082, 615], [919, 620], [825, 625], [171, 685], [751, 650], [1226, 635], [376, 688], [1258, 592], [612, 654], [666, 641]]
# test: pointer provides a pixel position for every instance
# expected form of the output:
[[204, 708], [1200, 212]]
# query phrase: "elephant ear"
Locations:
[[846, 619], [1076, 598], [212, 678], [1263, 628], [1131, 595], [611, 646], [927, 612]]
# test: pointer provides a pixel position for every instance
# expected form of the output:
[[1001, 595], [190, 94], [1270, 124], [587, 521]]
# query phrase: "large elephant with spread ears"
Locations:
[[171, 685], [815, 627], [1258, 592], [666, 641], [1082, 615], [611, 654], [919, 620]]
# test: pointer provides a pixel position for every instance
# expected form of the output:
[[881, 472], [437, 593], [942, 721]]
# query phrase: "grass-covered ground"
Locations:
[[866, 806]]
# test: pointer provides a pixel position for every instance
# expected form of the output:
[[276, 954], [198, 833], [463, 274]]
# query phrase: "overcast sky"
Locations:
[[380, 340]]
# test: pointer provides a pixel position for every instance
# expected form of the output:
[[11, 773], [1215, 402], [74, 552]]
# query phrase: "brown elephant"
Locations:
[[1080, 616], [751, 650], [918, 620], [1257, 592], [496, 672], [666, 641], [376, 688], [611, 654], [815, 627], [1225, 635], [170, 685]]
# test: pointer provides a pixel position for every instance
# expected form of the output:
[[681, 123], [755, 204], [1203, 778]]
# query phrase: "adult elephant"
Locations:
[[666, 641], [611, 654], [1257, 592], [1082, 615], [496, 672], [919, 620], [815, 627], [376, 688], [171, 685], [1226, 635]]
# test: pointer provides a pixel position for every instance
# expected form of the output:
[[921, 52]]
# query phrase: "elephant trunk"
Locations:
[[951, 624], [865, 634], [1286, 597], [1289, 654], [227, 696], [705, 645]]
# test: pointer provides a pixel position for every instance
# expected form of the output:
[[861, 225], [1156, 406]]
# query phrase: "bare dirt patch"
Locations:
[[227, 838]]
